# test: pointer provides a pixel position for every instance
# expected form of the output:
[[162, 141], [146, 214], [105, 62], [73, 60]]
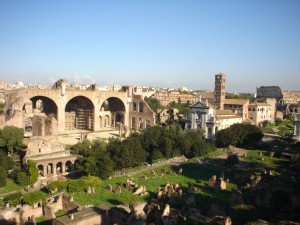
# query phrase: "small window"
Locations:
[[133, 106]]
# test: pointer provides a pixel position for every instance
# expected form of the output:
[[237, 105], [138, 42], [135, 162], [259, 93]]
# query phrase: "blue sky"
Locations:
[[159, 43]]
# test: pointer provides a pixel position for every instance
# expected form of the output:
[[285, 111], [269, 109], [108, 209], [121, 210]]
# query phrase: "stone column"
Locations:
[[61, 117], [44, 171], [63, 167], [54, 169]]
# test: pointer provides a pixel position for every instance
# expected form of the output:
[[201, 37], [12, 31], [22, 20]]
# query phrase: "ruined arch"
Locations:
[[59, 168], [79, 114], [41, 169], [69, 166], [38, 105], [50, 168], [113, 110], [42, 104]]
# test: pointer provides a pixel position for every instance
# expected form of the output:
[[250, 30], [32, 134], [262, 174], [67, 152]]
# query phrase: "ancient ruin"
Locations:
[[70, 109]]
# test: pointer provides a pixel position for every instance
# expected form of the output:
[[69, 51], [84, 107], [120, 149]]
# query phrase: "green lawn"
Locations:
[[285, 125], [10, 186], [271, 162], [193, 173], [42, 221]]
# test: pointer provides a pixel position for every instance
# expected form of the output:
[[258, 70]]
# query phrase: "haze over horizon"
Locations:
[[152, 43]]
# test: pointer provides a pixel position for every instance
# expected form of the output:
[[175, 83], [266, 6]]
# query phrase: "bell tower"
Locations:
[[220, 86]]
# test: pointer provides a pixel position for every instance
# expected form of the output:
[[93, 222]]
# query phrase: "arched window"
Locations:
[[141, 107], [134, 106]]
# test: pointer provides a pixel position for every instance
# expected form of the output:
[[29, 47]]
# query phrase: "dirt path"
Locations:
[[239, 151]]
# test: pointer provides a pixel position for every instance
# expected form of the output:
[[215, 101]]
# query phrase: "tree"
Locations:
[[22, 179], [232, 159], [239, 135], [13, 199], [82, 148], [32, 172], [2, 177], [5, 161], [11, 138], [278, 121], [34, 197], [88, 166], [153, 103]]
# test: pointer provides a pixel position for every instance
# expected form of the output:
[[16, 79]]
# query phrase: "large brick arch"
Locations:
[[115, 103], [82, 109], [59, 98], [50, 105]]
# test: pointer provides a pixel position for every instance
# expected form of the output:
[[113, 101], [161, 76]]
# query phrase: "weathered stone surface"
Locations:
[[137, 211], [191, 189], [180, 171], [216, 210], [212, 181], [118, 190], [220, 185], [236, 198], [109, 187], [153, 174]]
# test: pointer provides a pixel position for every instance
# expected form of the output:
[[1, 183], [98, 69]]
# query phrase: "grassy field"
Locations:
[[10, 186], [193, 173], [42, 221], [265, 160], [286, 125]]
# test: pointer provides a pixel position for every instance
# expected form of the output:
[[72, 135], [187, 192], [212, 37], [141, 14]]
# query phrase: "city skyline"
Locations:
[[160, 44]]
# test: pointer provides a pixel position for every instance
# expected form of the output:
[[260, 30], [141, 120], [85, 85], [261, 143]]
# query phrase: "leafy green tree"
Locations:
[[154, 104], [32, 172], [105, 166], [131, 153], [278, 121], [11, 138], [156, 155], [282, 130], [97, 160], [2, 177], [232, 159], [5, 161], [22, 179], [56, 186], [82, 148], [34, 197], [90, 181], [167, 147], [13, 199], [239, 135], [292, 118], [88, 166]]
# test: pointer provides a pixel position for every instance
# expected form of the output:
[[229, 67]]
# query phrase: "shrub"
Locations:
[[2, 177], [232, 159], [13, 199], [34, 197], [22, 179], [278, 121]]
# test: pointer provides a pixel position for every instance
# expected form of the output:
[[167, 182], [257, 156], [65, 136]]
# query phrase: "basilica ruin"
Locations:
[[74, 109]]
